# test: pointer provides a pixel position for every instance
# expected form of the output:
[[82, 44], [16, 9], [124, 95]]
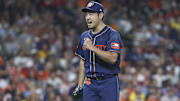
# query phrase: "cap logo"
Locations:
[[90, 4]]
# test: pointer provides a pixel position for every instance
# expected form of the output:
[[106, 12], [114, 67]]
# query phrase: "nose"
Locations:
[[87, 16]]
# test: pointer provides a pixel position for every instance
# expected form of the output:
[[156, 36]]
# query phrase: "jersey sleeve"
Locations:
[[114, 43], [79, 50]]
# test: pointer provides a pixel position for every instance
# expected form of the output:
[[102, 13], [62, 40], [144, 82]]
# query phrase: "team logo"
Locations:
[[90, 4], [115, 45], [102, 47]]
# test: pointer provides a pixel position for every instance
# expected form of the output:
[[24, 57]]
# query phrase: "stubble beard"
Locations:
[[92, 27]]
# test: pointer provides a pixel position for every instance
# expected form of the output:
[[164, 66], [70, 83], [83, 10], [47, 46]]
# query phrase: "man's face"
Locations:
[[92, 19]]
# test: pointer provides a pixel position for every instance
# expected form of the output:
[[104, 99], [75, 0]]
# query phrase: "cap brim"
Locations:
[[88, 10]]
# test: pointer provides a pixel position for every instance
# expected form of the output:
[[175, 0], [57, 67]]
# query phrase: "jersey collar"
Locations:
[[93, 35]]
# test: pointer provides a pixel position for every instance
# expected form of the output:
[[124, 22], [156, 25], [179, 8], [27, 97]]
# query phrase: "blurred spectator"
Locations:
[[169, 96], [38, 39]]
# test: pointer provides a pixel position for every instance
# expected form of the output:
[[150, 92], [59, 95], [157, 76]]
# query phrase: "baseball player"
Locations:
[[99, 50]]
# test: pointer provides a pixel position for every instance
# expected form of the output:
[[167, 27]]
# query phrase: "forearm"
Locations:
[[105, 55], [81, 73]]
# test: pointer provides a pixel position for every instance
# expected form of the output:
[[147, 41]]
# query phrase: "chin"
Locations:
[[91, 27]]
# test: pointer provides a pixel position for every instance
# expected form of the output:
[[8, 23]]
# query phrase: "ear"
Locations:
[[101, 15]]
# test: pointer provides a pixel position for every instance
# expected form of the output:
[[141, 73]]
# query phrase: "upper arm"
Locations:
[[114, 43]]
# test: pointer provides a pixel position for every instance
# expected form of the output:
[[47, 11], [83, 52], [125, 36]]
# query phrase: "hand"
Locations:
[[78, 92], [88, 44]]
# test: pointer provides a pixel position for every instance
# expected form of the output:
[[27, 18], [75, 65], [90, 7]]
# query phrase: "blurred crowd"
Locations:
[[38, 39]]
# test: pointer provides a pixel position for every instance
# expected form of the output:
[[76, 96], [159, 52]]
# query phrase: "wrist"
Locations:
[[93, 48]]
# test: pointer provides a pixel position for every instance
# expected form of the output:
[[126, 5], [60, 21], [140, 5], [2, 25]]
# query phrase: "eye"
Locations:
[[90, 13]]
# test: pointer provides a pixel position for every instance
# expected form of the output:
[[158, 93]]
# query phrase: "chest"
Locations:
[[100, 41]]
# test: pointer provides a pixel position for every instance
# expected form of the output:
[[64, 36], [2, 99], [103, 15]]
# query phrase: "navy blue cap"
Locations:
[[94, 6]]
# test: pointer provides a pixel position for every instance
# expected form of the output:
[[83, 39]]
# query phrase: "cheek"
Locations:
[[86, 18], [95, 19]]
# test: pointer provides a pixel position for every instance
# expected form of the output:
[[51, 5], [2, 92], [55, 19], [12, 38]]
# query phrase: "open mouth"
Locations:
[[89, 22]]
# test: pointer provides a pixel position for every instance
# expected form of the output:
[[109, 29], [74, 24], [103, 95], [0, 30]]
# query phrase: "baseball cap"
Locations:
[[94, 6]]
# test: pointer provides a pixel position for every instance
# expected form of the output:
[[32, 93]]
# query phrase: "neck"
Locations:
[[98, 28]]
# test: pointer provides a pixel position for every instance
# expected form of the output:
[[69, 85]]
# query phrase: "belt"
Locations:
[[101, 76]]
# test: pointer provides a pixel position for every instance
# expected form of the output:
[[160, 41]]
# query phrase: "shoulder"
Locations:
[[114, 32], [85, 34], [115, 35]]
